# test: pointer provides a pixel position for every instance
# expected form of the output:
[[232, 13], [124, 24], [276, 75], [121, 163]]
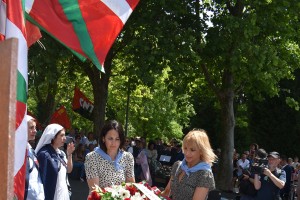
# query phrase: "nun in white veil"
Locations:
[[54, 163]]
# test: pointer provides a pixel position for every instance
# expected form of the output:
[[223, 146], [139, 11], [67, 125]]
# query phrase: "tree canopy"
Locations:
[[180, 60]]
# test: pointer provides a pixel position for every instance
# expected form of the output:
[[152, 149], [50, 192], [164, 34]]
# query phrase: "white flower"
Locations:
[[137, 196], [124, 193], [108, 189], [114, 194]]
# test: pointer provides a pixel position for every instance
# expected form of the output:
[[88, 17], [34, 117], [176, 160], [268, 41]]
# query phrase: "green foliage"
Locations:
[[153, 111], [52, 82], [159, 59], [291, 102]]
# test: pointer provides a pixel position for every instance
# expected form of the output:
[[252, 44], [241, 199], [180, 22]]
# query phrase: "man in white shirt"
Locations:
[[242, 163]]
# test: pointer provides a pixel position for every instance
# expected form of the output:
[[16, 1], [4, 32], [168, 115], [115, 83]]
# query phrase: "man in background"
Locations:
[[271, 180]]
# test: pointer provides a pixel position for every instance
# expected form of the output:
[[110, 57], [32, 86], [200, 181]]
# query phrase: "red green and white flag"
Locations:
[[12, 25], [88, 27]]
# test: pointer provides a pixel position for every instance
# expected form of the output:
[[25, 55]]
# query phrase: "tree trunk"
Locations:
[[225, 167], [46, 107], [100, 83]]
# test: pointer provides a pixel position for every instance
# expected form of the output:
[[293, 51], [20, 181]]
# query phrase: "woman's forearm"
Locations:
[[69, 163]]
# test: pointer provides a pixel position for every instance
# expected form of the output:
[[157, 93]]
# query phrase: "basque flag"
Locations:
[[87, 27]]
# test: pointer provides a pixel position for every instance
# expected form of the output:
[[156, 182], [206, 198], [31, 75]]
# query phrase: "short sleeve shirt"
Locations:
[[185, 189], [96, 166], [268, 190]]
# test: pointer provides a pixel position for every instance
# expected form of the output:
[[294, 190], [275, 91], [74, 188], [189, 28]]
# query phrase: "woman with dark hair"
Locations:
[[151, 152], [53, 163], [253, 148], [108, 164]]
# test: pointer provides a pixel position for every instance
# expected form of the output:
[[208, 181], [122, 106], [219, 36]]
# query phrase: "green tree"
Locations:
[[52, 81], [250, 46], [276, 120], [46, 67], [153, 111], [240, 47]]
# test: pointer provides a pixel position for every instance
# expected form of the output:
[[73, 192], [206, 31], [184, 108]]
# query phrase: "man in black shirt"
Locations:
[[271, 180]]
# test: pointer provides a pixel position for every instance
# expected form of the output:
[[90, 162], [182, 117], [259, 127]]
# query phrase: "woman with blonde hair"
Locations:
[[192, 178]]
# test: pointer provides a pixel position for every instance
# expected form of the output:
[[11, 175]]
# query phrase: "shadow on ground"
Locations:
[[80, 190]]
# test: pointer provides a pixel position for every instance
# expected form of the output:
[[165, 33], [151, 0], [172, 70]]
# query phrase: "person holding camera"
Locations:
[[271, 180]]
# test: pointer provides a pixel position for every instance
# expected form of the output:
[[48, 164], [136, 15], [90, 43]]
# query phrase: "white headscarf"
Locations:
[[48, 134], [28, 118]]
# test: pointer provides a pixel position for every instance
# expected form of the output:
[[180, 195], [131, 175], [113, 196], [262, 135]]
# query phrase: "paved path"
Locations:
[[80, 189]]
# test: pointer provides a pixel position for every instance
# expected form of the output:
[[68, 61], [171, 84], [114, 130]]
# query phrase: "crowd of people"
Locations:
[[259, 175], [114, 159]]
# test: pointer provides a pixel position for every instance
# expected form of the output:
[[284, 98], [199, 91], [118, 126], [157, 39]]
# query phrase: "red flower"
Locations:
[[95, 195], [147, 186], [131, 189]]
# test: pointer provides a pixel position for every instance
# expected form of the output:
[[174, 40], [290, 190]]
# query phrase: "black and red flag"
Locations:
[[82, 105]]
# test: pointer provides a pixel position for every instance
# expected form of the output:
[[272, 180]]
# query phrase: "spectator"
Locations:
[[78, 161], [246, 186], [54, 164], [91, 139], [242, 164], [83, 139], [72, 133], [290, 163], [77, 140], [141, 167], [271, 181], [235, 168], [89, 149], [296, 162], [177, 155], [285, 191], [151, 152], [165, 156], [34, 189], [247, 153], [127, 144], [253, 149], [159, 147], [298, 180]]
